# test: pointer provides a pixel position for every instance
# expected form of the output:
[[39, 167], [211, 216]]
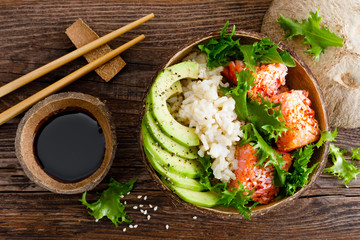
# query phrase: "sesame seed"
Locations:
[[155, 208], [122, 196], [124, 229], [145, 212], [131, 226], [150, 206], [194, 217], [135, 226], [145, 198], [142, 211], [128, 193], [141, 205], [96, 220], [135, 207], [167, 226], [139, 196], [125, 203], [148, 217]]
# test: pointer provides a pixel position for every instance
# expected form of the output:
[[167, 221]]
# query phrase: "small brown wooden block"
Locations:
[[81, 34]]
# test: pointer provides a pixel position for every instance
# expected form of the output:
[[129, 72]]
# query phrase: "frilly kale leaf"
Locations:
[[326, 136], [249, 56], [318, 38], [220, 51], [109, 204], [341, 168], [207, 174], [266, 154], [355, 154], [264, 51], [301, 158], [237, 198], [239, 93], [265, 115], [299, 177]]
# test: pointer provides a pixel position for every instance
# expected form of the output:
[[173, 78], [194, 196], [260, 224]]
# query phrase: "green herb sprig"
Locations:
[[222, 50], [299, 177], [318, 38], [238, 198], [341, 168], [109, 204]]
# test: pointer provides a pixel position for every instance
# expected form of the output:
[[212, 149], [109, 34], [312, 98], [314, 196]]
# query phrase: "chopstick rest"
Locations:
[[81, 34]]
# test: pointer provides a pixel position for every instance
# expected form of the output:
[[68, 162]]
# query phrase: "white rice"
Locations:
[[213, 117]]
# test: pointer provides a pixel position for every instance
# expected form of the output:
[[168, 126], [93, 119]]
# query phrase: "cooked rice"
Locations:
[[213, 117]]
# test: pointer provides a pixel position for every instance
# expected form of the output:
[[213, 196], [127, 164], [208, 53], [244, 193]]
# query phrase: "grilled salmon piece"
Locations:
[[254, 177], [299, 117], [229, 71], [269, 78]]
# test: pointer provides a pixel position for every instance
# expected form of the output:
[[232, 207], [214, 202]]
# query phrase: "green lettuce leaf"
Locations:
[[301, 158], [207, 174], [221, 51], [299, 177], [265, 115], [326, 136], [287, 59], [341, 168], [109, 204], [318, 38], [237, 198], [264, 51], [245, 82], [355, 154], [249, 56]]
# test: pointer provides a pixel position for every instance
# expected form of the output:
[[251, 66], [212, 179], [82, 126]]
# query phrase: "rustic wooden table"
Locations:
[[32, 34]]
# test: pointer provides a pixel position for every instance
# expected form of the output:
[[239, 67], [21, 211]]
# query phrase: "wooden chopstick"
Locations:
[[21, 81], [25, 104]]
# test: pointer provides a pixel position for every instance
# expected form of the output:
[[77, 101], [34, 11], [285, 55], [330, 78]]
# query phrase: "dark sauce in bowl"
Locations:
[[70, 146]]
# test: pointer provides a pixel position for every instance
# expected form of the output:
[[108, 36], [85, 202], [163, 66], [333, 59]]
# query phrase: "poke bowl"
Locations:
[[177, 162]]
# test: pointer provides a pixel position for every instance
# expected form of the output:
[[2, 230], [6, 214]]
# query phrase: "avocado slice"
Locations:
[[204, 199], [175, 179], [165, 141], [158, 92], [183, 167]]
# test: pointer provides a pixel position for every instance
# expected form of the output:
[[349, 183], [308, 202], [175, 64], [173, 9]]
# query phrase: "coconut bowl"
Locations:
[[38, 115], [299, 77]]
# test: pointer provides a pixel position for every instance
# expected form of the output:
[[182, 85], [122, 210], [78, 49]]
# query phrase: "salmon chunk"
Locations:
[[299, 117], [254, 177], [268, 80]]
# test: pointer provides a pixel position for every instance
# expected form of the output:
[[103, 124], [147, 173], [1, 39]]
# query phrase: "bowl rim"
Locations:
[[217, 211]]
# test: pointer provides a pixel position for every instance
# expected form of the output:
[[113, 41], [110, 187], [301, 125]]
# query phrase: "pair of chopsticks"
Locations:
[[25, 104]]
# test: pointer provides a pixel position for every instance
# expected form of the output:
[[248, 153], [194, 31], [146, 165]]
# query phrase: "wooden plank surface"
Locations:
[[32, 34]]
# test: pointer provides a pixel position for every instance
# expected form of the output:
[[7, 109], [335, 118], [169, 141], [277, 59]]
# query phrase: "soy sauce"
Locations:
[[70, 146]]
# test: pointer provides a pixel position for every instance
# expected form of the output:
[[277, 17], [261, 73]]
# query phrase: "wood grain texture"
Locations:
[[32, 34]]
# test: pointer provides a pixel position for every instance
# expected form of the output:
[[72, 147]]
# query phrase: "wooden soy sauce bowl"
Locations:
[[38, 115], [299, 77]]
